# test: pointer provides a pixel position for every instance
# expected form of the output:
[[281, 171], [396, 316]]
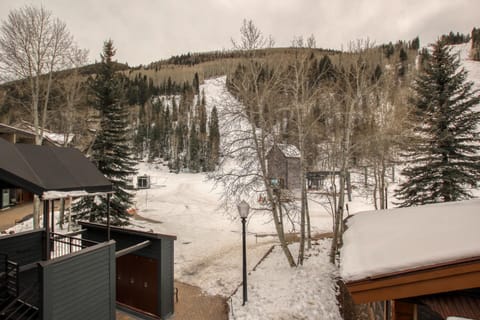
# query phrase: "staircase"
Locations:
[[11, 278], [18, 309], [13, 305]]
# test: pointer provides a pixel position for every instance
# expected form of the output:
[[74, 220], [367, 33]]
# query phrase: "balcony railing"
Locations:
[[63, 244]]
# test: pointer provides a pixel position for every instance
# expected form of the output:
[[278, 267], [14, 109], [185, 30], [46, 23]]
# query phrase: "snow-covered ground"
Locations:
[[276, 291]]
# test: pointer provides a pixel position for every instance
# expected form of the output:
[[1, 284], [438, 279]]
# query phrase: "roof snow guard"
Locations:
[[48, 170]]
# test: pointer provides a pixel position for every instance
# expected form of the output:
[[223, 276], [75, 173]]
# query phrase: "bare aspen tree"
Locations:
[[387, 115], [307, 105], [353, 87], [248, 133], [71, 87], [311, 42], [251, 38], [33, 45]]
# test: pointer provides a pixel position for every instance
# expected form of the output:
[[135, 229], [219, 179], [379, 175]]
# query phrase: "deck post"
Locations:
[[53, 216], [108, 216], [46, 241]]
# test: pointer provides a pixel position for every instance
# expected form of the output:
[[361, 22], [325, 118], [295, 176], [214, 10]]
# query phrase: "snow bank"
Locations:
[[276, 291], [380, 242]]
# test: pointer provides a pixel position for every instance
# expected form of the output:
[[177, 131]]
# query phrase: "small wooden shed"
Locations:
[[283, 161]]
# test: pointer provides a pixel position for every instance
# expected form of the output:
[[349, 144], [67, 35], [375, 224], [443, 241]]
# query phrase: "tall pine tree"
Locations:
[[111, 150], [213, 139], [444, 159]]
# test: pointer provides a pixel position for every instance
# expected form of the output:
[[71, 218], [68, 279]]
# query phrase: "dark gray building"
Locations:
[[144, 268], [81, 275], [283, 161]]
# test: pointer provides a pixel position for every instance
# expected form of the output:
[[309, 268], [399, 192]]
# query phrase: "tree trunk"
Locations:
[[383, 195], [309, 227], [338, 219], [279, 228], [69, 214], [375, 186], [36, 212], [62, 213], [301, 251]]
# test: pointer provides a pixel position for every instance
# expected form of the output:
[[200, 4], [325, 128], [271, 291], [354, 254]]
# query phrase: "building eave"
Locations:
[[443, 277]]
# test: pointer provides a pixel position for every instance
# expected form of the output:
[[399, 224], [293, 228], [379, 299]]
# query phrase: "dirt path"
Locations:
[[9, 216], [194, 305]]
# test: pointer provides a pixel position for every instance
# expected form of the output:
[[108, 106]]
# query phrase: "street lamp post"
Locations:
[[243, 209]]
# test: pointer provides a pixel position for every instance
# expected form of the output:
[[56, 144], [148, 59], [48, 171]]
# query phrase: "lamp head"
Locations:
[[243, 209]]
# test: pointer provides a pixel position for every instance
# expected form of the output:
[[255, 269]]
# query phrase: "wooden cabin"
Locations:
[[283, 162], [417, 263]]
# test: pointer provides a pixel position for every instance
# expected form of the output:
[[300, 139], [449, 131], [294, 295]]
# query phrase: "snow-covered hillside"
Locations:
[[471, 66]]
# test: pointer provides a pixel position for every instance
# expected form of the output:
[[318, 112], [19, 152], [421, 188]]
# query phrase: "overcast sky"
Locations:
[[149, 30]]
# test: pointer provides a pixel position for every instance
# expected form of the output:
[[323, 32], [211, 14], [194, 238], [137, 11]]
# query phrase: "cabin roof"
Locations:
[[380, 243], [288, 150]]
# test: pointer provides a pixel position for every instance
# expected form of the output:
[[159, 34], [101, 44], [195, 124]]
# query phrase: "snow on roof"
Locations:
[[381, 242], [59, 138], [289, 150], [53, 195]]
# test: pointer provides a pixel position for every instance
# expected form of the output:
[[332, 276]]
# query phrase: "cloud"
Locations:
[[148, 30]]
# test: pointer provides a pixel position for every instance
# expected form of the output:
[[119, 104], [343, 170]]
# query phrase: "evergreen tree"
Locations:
[[415, 45], [202, 134], [194, 148], [111, 150], [402, 70], [213, 139], [167, 133], [174, 109], [443, 154], [475, 51], [196, 84], [389, 50]]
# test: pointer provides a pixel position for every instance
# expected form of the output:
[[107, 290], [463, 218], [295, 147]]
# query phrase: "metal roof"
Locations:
[[5, 128], [39, 169]]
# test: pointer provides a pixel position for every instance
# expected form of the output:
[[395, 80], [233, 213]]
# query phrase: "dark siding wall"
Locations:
[[293, 173], [81, 286], [23, 248], [125, 240], [166, 278], [277, 167], [284, 168], [159, 249]]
